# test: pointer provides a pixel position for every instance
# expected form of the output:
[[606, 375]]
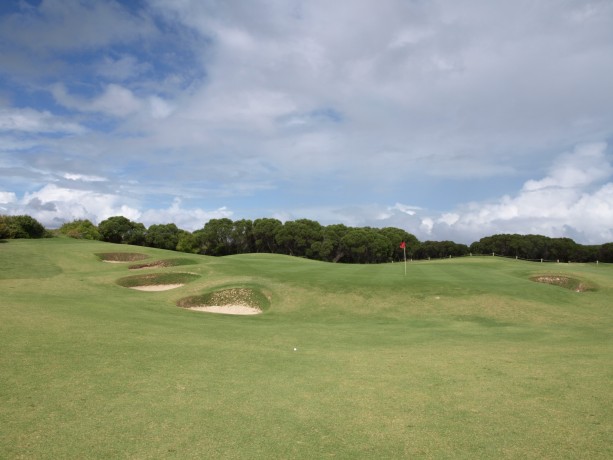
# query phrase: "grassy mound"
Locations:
[[121, 256], [156, 279], [237, 296], [163, 263], [566, 282]]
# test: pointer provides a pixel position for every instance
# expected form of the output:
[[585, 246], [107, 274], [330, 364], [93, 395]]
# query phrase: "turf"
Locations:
[[461, 358]]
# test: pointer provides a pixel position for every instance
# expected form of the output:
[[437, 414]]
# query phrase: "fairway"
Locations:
[[461, 358]]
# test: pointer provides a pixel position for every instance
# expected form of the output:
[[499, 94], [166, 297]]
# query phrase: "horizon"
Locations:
[[452, 122]]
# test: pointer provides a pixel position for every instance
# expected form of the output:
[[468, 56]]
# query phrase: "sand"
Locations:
[[157, 287], [228, 309]]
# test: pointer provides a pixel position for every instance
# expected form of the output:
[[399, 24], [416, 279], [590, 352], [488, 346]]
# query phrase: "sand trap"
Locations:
[[228, 309], [157, 287], [117, 261]]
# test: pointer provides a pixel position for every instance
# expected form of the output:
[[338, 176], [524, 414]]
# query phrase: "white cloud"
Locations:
[[52, 205], [185, 218], [571, 201], [410, 210], [7, 197], [115, 100], [84, 177], [586, 165], [33, 121]]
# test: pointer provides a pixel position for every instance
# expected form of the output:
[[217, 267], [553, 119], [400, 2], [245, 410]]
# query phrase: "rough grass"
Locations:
[[165, 263], [121, 256], [462, 358]]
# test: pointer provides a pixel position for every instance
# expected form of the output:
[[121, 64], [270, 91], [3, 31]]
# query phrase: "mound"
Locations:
[[233, 301], [566, 282], [157, 281], [163, 264], [121, 257]]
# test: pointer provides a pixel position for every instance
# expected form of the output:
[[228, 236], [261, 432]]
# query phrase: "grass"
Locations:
[[462, 358]]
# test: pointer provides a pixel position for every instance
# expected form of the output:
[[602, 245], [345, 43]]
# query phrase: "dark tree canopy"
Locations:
[[308, 238], [163, 236], [119, 229]]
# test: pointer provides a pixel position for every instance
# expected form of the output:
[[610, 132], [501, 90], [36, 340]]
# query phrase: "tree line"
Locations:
[[307, 238]]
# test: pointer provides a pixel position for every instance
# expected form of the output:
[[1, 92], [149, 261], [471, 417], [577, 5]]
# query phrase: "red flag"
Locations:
[[403, 245]]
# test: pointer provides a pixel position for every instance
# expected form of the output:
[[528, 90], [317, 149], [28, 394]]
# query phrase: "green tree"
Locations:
[[366, 245], [216, 237], [188, 242], [397, 236], [163, 236], [296, 238], [242, 236], [81, 229], [264, 234], [605, 253], [330, 248], [119, 229], [21, 226]]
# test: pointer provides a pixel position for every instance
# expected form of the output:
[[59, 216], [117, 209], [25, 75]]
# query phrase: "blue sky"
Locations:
[[452, 120]]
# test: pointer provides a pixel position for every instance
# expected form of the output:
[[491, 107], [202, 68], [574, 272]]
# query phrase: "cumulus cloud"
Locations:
[[52, 205], [185, 218], [575, 200], [7, 197], [586, 165], [27, 120], [115, 100]]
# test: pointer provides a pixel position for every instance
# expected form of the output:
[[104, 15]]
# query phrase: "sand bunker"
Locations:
[[231, 301], [228, 309], [156, 282], [157, 287], [563, 281]]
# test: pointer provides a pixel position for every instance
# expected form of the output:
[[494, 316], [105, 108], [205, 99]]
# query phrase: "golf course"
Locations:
[[118, 351]]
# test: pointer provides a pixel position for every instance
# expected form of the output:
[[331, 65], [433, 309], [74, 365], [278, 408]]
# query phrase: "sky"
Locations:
[[451, 120]]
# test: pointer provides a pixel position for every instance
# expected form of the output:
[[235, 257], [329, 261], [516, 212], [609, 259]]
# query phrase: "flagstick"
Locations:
[[405, 260]]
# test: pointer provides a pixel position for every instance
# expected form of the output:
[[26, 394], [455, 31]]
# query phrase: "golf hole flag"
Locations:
[[403, 246]]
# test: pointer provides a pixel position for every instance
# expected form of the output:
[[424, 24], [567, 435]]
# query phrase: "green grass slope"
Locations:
[[461, 358]]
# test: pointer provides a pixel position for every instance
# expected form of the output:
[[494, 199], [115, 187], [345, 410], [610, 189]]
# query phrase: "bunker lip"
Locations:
[[227, 309]]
